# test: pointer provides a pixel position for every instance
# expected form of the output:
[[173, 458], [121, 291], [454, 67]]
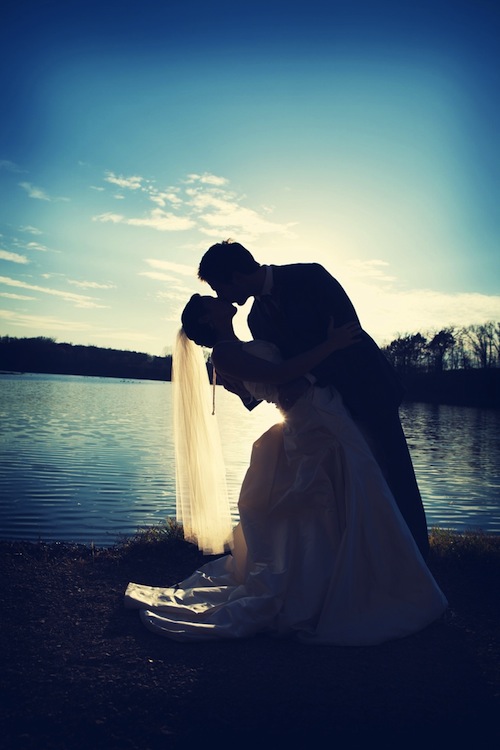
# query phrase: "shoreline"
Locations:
[[474, 388], [80, 669]]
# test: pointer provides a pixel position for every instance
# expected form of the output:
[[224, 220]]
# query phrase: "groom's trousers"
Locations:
[[387, 440]]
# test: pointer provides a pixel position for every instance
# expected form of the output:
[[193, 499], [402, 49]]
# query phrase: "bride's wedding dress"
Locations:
[[321, 551]]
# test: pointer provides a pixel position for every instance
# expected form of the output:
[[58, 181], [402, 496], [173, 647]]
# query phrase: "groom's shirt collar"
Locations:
[[267, 286]]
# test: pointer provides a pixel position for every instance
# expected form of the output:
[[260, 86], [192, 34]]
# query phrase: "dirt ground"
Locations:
[[80, 671]]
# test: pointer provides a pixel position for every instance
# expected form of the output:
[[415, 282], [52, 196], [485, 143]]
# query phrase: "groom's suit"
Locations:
[[295, 317]]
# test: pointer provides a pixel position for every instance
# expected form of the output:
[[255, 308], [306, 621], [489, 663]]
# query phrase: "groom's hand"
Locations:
[[289, 393]]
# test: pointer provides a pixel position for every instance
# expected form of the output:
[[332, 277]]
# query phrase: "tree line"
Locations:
[[455, 365], [452, 348], [450, 366], [42, 354]]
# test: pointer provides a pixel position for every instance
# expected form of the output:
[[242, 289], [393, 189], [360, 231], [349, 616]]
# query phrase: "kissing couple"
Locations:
[[332, 539]]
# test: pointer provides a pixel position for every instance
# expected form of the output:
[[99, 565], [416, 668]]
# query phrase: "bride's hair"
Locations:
[[196, 329]]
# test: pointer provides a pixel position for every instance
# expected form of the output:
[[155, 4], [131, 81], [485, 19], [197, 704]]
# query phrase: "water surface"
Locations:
[[91, 459]]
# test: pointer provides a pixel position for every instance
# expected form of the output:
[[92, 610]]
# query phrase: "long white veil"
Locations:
[[202, 503]]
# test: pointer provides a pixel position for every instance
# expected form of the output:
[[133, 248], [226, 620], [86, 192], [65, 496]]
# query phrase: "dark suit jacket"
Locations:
[[306, 296]]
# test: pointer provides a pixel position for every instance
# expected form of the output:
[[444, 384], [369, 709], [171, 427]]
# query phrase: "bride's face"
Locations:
[[218, 310]]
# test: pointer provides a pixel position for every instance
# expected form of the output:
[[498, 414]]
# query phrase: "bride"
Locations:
[[321, 551]]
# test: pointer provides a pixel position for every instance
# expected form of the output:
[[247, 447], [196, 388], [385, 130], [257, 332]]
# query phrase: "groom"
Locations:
[[292, 307]]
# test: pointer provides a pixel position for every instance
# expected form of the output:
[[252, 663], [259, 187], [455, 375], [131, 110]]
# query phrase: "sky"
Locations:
[[360, 135]]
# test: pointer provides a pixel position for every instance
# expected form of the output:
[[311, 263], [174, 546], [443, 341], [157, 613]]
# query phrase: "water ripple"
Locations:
[[91, 459]]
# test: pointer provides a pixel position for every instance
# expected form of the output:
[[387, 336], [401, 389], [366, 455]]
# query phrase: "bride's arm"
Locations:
[[231, 359]]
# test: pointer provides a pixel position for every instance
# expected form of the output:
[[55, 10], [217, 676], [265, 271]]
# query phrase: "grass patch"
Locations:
[[470, 546]]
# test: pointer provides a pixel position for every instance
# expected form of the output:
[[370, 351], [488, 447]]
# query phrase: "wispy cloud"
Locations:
[[157, 276], [30, 229], [10, 166], [90, 284], [36, 246], [13, 257], [157, 219], [79, 300], [226, 217], [42, 324], [387, 312], [202, 202], [207, 179], [168, 265], [163, 222], [110, 217], [374, 269], [32, 245], [34, 192], [161, 198], [9, 295], [131, 183], [39, 194]]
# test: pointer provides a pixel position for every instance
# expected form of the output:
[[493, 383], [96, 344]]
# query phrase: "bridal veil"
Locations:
[[202, 502]]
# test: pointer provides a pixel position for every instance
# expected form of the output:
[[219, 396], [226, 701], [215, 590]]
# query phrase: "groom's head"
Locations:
[[231, 271]]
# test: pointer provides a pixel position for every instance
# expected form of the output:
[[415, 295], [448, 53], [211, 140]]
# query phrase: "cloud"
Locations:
[[157, 275], [157, 219], [38, 193], [76, 331], [386, 312], [220, 213], [176, 292], [10, 166], [13, 257], [36, 246], [41, 324], [110, 217], [206, 205], [79, 300], [132, 183], [229, 218], [163, 222], [8, 295], [90, 284], [167, 265], [162, 198], [34, 192], [207, 179], [30, 230], [373, 269], [429, 309]]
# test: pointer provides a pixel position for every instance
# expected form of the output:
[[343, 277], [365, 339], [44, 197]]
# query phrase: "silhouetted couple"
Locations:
[[331, 518]]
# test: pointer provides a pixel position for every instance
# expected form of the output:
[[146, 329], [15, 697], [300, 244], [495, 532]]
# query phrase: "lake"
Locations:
[[91, 459]]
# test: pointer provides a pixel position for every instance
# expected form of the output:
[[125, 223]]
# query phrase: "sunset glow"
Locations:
[[131, 145]]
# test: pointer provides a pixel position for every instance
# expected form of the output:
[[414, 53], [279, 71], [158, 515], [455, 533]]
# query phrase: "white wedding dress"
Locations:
[[321, 551]]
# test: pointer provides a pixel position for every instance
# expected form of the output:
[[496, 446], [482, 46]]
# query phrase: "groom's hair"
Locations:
[[225, 258]]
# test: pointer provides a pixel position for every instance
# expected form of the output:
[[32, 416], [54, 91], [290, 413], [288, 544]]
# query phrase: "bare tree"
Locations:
[[407, 353], [439, 346], [482, 341]]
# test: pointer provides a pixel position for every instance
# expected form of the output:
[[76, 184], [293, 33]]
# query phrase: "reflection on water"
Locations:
[[456, 454], [91, 459]]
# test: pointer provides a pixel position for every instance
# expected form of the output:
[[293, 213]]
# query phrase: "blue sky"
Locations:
[[360, 135]]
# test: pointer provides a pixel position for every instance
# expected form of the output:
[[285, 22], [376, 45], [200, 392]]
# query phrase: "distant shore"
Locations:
[[473, 387], [80, 671]]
